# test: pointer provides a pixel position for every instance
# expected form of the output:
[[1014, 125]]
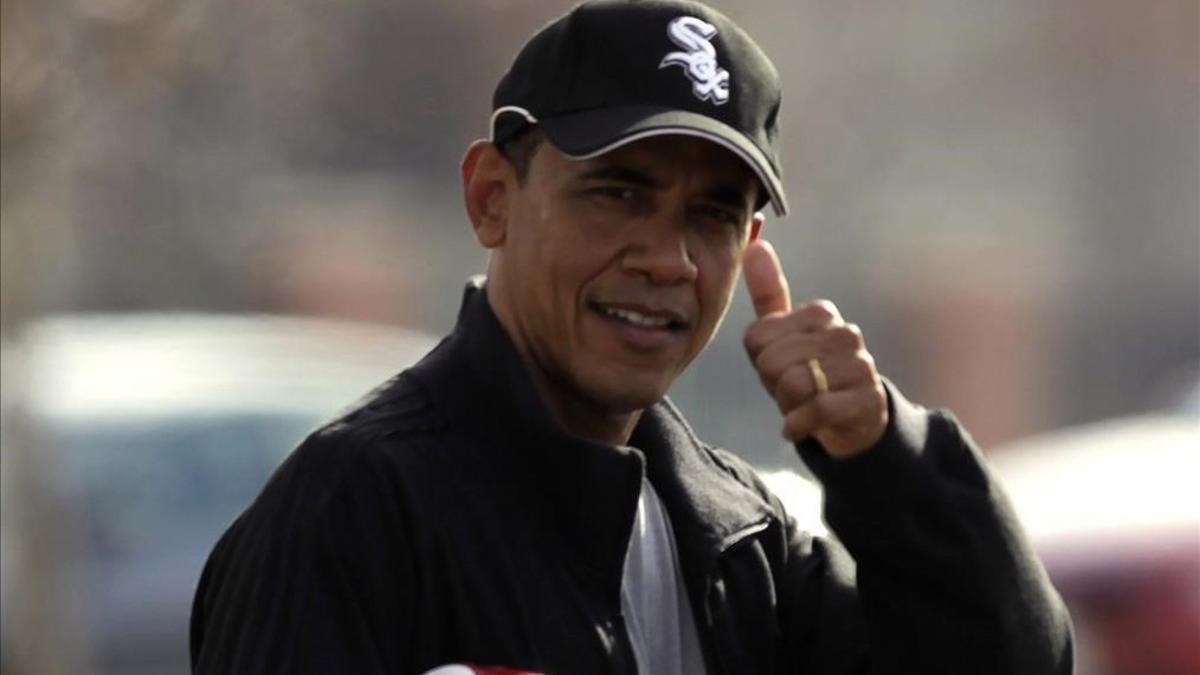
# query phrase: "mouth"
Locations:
[[638, 316]]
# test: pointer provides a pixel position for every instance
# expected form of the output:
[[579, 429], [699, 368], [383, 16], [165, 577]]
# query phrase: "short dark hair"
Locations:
[[520, 149]]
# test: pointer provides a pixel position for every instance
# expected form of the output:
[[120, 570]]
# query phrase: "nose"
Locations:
[[660, 251]]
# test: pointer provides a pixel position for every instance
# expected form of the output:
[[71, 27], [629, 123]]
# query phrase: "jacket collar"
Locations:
[[477, 377]]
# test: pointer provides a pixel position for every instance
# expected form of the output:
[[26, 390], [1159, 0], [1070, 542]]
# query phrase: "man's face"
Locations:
[[616, 271]]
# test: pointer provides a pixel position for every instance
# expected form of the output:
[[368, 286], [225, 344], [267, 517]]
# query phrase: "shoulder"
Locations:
[[367, 475], [333, 525], [397, 409], [382, 442]]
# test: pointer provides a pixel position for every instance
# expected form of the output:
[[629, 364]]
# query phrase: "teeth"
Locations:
[[636, 318]]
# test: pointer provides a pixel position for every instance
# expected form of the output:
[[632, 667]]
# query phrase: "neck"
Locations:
[[576, 414], [571, 409]]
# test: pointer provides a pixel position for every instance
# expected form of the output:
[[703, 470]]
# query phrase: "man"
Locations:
[[526, 497]]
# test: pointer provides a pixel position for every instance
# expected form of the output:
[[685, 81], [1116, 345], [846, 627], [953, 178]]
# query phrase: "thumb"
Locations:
[[764, 279]]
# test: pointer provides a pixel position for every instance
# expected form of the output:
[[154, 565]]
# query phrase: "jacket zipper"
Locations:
[[728, 544]]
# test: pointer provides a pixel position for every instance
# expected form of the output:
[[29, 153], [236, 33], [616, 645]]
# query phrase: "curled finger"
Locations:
[[802, 422]]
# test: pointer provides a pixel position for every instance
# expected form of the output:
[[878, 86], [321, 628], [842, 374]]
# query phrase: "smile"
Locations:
[[643, 318], [637, 319]]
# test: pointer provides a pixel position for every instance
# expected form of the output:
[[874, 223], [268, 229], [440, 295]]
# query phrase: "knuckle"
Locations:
[[868, 404], [753, 339], [879, 395], [789, 433], [847, 336], [789, 427], [798, 424], [827, 406], [823, 309], [763, 363], [850, 411], [863, 367], [856, 331], [796, 375], [791, 386], [867, 358], [760, 333]]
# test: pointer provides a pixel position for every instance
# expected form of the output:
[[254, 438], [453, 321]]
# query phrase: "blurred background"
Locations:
[[224, 220]]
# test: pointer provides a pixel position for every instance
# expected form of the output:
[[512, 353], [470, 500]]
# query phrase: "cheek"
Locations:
[[719, 263], [535, 246], [716, 282]]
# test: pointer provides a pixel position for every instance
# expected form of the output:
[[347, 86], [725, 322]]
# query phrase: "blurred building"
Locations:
[[1004, 195]]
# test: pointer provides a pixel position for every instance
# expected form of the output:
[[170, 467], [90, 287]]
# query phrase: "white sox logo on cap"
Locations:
[[604, 90], [709, 81]]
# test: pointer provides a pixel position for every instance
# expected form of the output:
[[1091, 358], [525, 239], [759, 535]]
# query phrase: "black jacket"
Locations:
[[448, 519]]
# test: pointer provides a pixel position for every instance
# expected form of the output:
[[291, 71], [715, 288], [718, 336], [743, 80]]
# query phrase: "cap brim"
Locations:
[[586, 134]]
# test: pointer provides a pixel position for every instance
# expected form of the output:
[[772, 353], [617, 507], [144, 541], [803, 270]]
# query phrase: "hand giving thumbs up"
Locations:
[[814, 364]]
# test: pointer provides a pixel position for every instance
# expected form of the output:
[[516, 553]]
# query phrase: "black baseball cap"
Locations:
[[611, 72]]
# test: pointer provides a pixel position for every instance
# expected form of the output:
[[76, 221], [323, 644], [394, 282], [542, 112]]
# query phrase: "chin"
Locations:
[[630, 394]]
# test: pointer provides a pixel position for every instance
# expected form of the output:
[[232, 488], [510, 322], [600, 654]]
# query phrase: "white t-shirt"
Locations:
[[658, 614]]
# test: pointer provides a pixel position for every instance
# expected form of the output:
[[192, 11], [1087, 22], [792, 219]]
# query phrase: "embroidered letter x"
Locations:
[[709, 81]]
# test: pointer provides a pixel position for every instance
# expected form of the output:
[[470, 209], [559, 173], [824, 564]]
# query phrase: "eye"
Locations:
[[713, 214], [614, 192]]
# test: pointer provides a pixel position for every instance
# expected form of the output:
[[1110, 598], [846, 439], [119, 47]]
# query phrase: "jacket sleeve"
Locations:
[[312, 578], [942, 578]]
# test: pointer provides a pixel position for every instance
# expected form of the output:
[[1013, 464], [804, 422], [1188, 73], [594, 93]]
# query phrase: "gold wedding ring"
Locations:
[[818, 375]]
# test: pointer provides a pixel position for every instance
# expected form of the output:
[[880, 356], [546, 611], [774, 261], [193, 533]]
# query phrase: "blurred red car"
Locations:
[[1114, 510]]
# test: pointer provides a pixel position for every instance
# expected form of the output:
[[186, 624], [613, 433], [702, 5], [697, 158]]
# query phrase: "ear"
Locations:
[[488, 180], [756, 224]]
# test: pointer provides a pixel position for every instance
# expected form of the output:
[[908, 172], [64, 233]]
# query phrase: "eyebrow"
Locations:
[[726, 195], [623, 174]]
